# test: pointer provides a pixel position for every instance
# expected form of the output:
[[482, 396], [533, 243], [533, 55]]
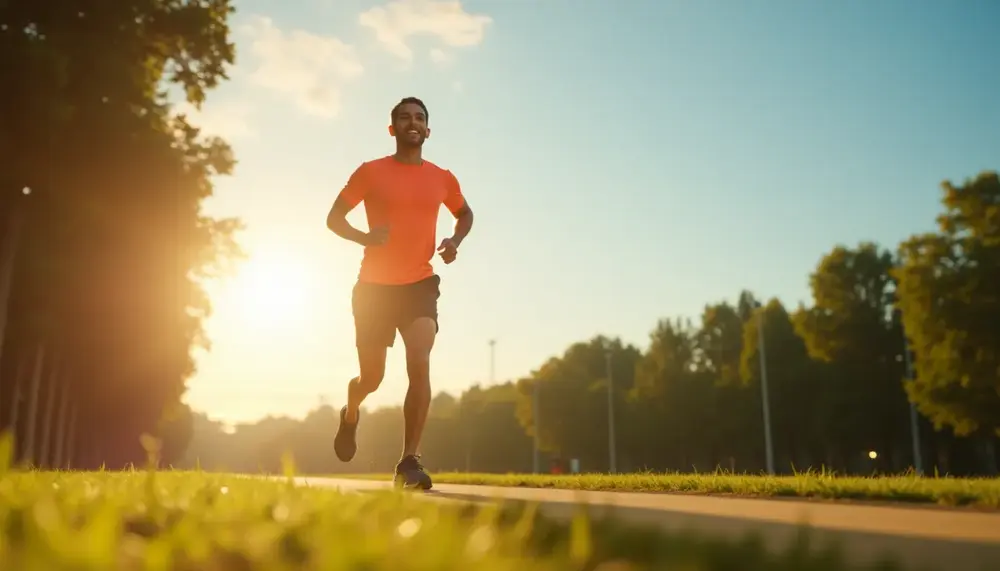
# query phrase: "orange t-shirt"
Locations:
[[407, 199]]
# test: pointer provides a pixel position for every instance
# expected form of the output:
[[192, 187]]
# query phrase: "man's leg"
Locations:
[[419, 340], [418, 331], [371, 365], [374, 332]]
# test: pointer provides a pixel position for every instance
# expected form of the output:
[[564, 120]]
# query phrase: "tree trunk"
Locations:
[[50, 404], [36, 381], [58, 461], [988, 453], [8, 251], [944, 458], [15, 403], [72, 438]]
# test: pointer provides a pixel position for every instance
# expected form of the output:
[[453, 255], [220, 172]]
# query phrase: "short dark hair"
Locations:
[[404, 101]]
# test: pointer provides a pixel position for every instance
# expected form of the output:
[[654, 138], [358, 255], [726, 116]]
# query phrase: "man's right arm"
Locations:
[[337, 222], [350, 196]]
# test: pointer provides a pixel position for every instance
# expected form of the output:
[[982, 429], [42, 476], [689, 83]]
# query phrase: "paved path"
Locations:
[[920, 537]]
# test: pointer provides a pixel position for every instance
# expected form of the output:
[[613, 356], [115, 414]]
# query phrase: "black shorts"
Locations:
[[380, 310]]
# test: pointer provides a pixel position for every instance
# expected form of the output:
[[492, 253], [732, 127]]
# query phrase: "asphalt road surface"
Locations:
[[920, 537]]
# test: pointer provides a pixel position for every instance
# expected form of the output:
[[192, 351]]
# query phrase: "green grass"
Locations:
[[195, 521], [980, 493]]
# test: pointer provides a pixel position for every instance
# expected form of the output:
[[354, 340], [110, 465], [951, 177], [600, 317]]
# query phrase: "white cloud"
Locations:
[[227, 120], [458, 87], [444, 20], [307, 68]]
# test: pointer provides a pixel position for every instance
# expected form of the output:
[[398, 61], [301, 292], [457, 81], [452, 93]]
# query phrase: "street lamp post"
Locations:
[[918, 459], [768, 447], [612, 460], [468, 435], [493, 348], [535, 414]]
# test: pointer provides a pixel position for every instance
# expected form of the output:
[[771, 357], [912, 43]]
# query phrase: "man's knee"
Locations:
[[372, 365], [369, 383]]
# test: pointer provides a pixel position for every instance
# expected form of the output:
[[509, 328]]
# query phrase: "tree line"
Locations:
[[893, 366], [102, 241]]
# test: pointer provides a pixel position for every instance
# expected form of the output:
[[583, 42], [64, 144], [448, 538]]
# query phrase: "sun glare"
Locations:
[[271, 290]]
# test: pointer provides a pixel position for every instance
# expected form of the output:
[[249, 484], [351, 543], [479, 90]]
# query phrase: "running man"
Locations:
[[397, 288]]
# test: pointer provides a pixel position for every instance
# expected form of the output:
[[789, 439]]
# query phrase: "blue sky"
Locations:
[[626, 161]]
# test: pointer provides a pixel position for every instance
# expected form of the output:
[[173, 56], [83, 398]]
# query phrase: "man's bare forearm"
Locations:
[[341, 227], [463, 225]]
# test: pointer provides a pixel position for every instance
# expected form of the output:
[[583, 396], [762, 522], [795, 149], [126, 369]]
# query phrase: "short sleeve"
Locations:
[[453, 200], [356, 188]]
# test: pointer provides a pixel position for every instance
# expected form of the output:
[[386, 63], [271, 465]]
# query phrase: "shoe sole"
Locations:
[[405, 486], [418, 488]]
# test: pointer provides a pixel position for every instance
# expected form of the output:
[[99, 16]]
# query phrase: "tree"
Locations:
[[670, 403], [950, 305], [573, 399], [736, 438], [792, 386], [175, 430], [719, 343], [113, 243], [483, 435], [850, 327]]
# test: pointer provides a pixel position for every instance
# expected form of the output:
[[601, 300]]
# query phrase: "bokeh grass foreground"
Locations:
[[196, 521], [150, 520], [983, 493]]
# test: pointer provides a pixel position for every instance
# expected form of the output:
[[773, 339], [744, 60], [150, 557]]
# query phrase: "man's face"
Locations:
[[410, 125]]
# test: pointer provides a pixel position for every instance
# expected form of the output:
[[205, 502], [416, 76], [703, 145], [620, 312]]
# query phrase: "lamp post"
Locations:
[[768, 447], [918, 459], [536, 459], [493, 349], [612, 460]]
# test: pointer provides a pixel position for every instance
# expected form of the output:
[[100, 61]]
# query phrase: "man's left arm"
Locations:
[[459, 207], [463, 223]]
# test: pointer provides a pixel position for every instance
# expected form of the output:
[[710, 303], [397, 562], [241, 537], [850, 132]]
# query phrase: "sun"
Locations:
[[271, 290]]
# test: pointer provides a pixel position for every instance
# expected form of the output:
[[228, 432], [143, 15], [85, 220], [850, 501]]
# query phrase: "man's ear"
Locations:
[[428, 135], [392, 131]]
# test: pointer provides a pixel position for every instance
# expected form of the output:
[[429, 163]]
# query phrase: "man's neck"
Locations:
[[410, 156]]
